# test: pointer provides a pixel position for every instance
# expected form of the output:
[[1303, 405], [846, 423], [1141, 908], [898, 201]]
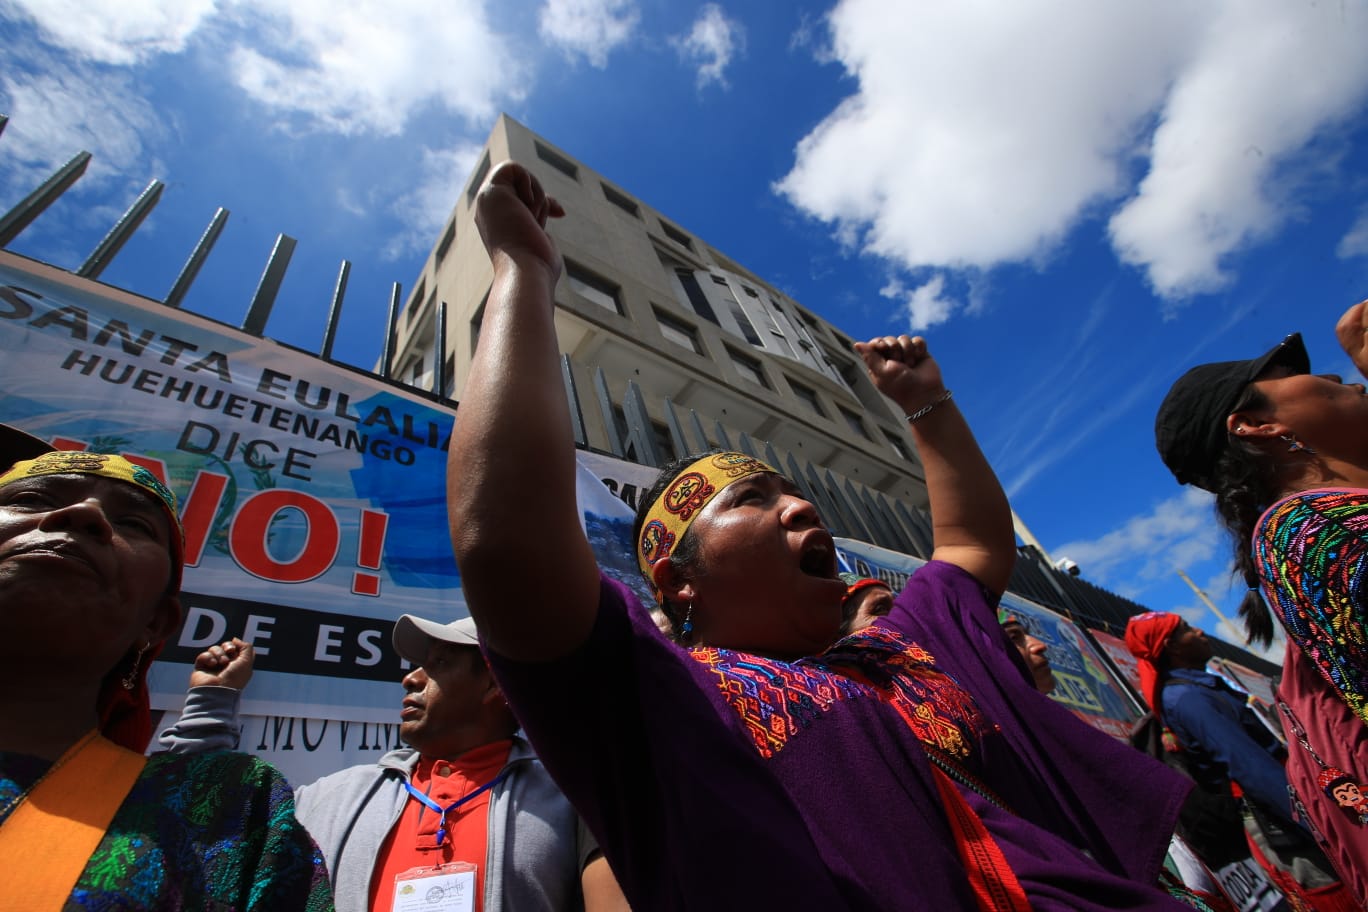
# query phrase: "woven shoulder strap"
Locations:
[[994, 885], [48, 839]]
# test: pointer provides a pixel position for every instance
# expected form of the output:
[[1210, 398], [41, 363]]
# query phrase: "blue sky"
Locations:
[[1073, 200]]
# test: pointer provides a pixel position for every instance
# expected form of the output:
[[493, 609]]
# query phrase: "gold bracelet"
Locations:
[[921, 412]]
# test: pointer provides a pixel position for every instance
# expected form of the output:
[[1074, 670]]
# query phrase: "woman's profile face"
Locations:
[[870, 603], [767, 579], [85, 563], [1320, 409]]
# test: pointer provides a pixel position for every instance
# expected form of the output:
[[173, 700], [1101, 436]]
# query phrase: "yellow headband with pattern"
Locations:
[[80, 462], [685, 497]]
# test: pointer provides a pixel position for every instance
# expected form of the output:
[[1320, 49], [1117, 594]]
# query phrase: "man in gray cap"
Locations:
[[467, 802]]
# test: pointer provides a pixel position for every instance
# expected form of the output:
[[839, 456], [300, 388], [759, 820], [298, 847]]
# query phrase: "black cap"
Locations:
[[16, 446], [1190, 429]]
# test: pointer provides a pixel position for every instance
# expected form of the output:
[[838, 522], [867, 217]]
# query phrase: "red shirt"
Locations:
[[412, 843]]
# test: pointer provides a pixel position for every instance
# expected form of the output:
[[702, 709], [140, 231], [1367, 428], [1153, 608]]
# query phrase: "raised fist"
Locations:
[[902, 370], [227, 665]]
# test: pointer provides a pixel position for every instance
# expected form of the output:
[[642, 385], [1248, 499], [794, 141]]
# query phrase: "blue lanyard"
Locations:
[[443, 811]]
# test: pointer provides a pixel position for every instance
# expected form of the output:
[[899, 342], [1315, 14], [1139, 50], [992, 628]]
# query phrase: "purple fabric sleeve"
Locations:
[[1060, 772], [683, 807]]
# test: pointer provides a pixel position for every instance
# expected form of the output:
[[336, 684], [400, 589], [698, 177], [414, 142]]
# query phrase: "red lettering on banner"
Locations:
[[368, 550], [247, 538], [198, 511]]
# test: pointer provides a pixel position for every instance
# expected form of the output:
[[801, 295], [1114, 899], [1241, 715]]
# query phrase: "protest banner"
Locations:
[[312, 494], [1083, 682]]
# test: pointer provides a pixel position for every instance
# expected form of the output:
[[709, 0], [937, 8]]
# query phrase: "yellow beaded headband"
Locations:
[[80, 462], [685, 497]]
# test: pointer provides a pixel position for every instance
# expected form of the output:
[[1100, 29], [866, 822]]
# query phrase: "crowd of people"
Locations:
[[769, 734]]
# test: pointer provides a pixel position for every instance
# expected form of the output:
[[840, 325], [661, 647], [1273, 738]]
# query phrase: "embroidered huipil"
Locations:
[[1312, 552], [721, 780], [205, 831]]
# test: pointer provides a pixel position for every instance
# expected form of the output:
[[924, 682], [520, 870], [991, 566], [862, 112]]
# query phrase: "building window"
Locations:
[[676, 235], [477, 179], [898, 447], [593, 288], [739, 315], [446, 242], [416, 302], [660, 439], [664, 443], [449, 375], [808, 396], [750, 292], [853, 421], [559, 162], [621, 200], [749, 368], [782, 343], [697, 299], [678, 332]]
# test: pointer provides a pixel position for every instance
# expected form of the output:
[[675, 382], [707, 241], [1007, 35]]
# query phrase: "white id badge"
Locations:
[[445, 888]]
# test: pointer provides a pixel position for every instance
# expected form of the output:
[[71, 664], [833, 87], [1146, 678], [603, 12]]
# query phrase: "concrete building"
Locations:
[[667, 341]]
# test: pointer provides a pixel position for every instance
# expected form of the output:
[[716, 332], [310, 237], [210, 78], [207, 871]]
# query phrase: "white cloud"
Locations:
[[66, 110], [1179, 532], [120, 32], [1355, 241], [926, 305], [588, 28], [711, 43], [1232, 119], [424, 210], [372, 65], [981, 133], [345, 66]]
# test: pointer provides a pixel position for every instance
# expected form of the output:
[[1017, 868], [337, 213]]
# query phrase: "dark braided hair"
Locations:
[[1244, 484], [686, 556]]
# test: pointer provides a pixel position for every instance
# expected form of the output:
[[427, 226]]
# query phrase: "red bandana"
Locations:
[[1146, 636]]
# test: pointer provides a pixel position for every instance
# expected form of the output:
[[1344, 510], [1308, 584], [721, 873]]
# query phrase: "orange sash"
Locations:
[[48, 839]]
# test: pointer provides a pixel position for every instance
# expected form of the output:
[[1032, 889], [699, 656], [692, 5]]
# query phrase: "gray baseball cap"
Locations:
[[413, 635]]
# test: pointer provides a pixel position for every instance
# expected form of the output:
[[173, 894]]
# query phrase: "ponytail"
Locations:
[[1244, 486]]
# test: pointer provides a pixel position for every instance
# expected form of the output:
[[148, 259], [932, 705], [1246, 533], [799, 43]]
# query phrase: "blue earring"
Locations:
[[1294, 445], [687, 627]]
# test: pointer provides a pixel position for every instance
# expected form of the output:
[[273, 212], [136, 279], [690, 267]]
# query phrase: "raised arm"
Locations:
[[971, 523], [1352, 333], [528, 573], [209, 717]]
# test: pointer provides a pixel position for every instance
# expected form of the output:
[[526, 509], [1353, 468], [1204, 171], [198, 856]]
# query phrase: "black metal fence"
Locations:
[[851, 509]]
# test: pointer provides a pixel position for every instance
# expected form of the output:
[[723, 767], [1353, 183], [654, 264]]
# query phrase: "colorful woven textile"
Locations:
[[1312, 551], [716, 779], [208, 831]]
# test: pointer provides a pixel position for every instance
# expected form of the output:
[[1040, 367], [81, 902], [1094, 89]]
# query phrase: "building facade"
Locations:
[[668, 343]]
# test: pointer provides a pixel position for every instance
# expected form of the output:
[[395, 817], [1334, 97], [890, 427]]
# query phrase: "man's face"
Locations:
[[1188, 645], [1033, 651], [445, 699], [83, 554]]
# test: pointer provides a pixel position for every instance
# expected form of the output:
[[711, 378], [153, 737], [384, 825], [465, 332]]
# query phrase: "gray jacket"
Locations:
[[537, 844]]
